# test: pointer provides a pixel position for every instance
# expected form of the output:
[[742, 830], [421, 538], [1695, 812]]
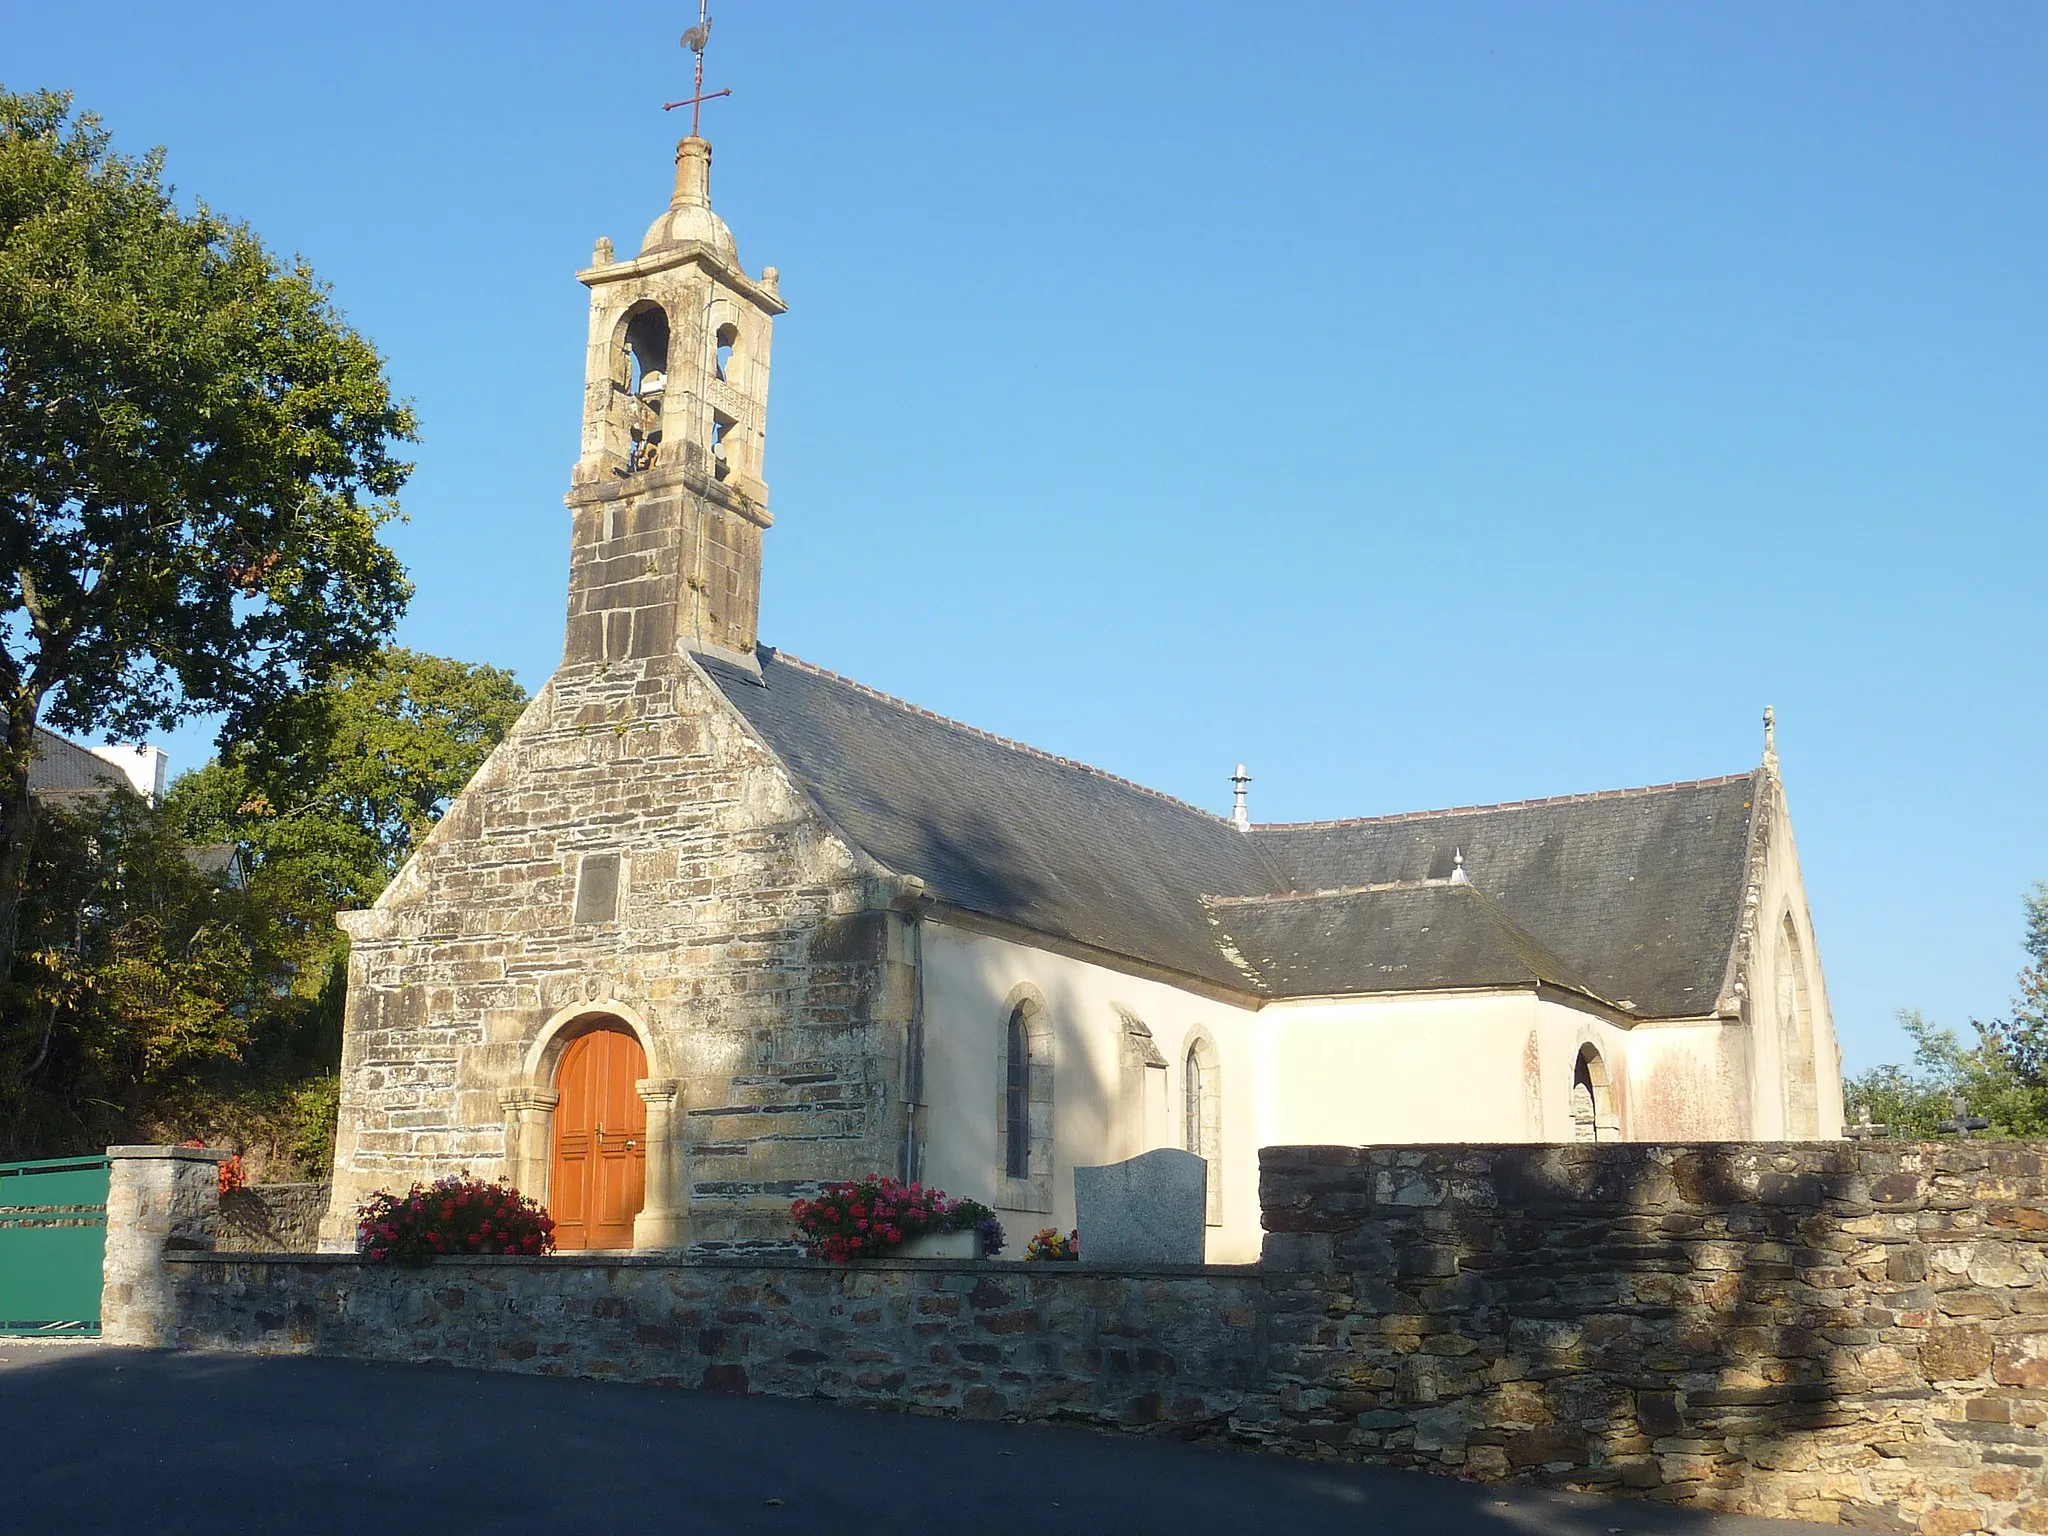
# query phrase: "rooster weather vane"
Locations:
[[694, 40]]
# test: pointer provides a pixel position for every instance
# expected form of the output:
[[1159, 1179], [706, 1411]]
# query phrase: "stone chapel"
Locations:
[[713, 925]]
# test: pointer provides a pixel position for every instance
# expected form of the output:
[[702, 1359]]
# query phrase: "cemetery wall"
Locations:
[[978, 1338], [271, 1218], [1840, 1332], [1844, 1333]]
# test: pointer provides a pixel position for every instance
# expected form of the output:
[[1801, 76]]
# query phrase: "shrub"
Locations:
[[865, 1220], [1048, 1244], [231, 1175], [454, 1216]]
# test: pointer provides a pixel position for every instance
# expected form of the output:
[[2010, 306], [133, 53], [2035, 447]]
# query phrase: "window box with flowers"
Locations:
[[879, 1218]]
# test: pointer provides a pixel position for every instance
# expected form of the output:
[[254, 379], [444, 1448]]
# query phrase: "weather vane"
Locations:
[[694, 40]]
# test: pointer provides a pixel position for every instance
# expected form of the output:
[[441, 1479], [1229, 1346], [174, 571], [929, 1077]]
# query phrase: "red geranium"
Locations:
[[867, 1218], [453, 1213]]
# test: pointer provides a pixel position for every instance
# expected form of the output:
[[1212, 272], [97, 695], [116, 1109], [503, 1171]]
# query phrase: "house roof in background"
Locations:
[[62, 767], [1631, 896]]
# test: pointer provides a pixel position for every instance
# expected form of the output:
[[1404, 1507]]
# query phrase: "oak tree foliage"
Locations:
[[197, 455], [159, 1000]]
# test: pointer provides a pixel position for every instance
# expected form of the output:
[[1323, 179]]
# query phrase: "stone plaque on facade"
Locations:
[[1148, 1210]]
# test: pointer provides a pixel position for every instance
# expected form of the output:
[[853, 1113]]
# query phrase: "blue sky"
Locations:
[[1426, 404]]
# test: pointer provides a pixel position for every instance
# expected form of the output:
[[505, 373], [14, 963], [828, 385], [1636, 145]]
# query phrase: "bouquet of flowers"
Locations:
[[864, 1220], [456, 1216], [1048, 1244]]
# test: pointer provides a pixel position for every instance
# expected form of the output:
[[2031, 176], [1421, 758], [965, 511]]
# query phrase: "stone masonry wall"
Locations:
[[160, 1200], [751, 949], [1173, 1350], [1829, 1331], [271, 1218], [1841, 1333]]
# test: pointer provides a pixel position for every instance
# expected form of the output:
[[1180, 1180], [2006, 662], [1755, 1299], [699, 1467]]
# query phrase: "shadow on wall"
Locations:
[[1819, 1331], [963, 855]]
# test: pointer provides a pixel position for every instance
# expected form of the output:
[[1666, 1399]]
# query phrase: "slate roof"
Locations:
[[1417, 937], [1001, 829], [1640, 890], [1632, 895], [63, 768]]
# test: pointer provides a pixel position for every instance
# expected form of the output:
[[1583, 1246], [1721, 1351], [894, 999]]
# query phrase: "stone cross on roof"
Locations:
[[695, 40]]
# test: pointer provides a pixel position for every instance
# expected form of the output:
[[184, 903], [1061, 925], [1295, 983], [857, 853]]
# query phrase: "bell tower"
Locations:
[[668, 501]]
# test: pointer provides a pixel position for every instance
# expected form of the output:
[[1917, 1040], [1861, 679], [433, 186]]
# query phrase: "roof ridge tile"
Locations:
[[1509, 805], [1329, 891]]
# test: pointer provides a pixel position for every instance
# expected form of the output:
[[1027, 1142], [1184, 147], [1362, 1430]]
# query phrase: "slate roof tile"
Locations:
[[1627, 895]]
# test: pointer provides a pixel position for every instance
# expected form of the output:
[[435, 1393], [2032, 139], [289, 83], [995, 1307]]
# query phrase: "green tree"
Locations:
[[328, 800], [335, 790], [2024, 1036], [135, 970], [158, 1001], [196, 458], [1914, 1101]]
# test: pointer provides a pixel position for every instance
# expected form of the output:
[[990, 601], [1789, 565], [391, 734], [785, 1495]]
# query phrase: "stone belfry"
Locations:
[[668, 500]]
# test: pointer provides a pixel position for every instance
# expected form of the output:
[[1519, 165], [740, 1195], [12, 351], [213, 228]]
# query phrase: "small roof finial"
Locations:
[[1458, 875], [1240, 812], [1770, 736]]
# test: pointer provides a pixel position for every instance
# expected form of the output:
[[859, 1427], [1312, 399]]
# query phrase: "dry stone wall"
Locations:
[[1830, 1331], [745, 943], [1842, 1333], [1177, 1350]]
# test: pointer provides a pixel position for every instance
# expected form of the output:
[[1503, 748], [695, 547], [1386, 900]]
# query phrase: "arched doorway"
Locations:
[[598, 1176]]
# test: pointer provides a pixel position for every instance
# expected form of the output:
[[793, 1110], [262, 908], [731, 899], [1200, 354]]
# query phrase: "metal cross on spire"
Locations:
[[694, 40]]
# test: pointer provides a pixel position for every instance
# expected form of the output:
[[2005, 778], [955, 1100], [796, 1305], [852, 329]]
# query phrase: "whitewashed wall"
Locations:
[[970, 981], [1477, 1066]]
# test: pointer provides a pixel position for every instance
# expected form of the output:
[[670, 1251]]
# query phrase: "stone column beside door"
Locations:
[[529, 1139], [158, 1198], [664, 1219]]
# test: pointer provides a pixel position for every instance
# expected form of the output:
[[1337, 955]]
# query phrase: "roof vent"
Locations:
[[1240, 814]]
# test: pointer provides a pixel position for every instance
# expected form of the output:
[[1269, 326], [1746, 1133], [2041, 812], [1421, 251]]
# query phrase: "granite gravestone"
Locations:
[[1148, 1210]]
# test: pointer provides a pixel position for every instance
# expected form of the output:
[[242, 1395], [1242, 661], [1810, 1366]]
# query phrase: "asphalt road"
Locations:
[[95, 1439]]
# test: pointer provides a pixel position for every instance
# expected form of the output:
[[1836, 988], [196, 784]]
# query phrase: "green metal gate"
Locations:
[[53, 1235]]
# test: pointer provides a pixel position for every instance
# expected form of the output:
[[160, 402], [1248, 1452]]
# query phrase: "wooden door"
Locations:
[[599, 1176]]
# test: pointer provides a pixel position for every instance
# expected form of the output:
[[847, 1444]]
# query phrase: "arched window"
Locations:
[[1017, 1099], [646, 347], [1795, 1036], [1024, 1079], [721, 361], [1592, 1100], [639, 385], [1202, 1118]]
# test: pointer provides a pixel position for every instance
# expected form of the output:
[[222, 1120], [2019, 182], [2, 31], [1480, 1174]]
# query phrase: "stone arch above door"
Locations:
[[544, 1056]]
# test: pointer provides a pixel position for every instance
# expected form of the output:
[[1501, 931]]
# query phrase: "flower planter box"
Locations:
[[940, 1245]]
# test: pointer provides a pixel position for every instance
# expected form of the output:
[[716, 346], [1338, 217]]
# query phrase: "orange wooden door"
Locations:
[[599, 1177]]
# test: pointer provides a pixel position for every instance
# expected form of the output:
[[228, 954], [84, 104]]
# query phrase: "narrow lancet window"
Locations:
[[1017, 1100]]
